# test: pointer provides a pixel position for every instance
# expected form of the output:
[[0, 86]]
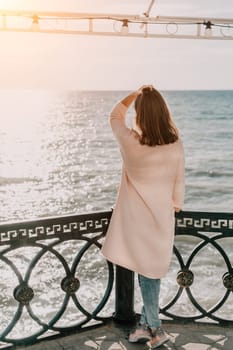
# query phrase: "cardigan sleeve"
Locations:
[[179, 187], [117, 121]]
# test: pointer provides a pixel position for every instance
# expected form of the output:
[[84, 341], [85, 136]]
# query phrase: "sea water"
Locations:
[[58, 156]]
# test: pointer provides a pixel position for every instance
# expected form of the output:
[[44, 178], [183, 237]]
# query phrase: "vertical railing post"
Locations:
[[124, 295]]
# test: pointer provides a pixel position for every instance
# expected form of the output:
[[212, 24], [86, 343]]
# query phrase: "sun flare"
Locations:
[[11, 4]]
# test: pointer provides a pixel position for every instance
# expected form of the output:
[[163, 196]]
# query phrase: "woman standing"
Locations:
[[141, 232]]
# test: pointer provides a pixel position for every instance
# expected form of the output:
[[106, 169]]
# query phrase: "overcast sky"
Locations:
[[66, 62]]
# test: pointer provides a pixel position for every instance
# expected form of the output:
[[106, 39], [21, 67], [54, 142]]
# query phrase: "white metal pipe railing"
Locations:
[[103, 24]]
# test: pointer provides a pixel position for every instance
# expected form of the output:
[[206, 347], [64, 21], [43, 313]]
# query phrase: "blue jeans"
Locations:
[[150, 289]]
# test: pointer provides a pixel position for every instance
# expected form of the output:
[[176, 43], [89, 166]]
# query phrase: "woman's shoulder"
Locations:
[[178, 143], [179, 148], [176, 146]]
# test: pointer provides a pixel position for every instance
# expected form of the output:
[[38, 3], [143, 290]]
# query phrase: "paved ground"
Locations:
[[114, 337]]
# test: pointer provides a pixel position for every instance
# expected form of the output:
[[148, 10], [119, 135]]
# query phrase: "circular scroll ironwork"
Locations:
[[70, 284], [185, 278], [23, 294], [227, 279]]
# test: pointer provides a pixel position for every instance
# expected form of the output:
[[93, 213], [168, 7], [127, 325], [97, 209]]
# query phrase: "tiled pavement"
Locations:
[[114, 337]]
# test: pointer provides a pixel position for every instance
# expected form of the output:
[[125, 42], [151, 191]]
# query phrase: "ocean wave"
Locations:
[[210, 173], [16, 180]]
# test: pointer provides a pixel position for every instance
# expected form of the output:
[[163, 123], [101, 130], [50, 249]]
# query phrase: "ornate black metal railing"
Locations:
[[54, 279], [205, 255], [59, 279]]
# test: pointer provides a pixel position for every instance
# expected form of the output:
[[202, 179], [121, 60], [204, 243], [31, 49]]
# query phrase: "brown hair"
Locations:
[[154, 119]]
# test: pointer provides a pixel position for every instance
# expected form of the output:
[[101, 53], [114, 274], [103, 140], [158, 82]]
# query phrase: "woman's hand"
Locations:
[[126, 101], [133, 95], [177, 210]]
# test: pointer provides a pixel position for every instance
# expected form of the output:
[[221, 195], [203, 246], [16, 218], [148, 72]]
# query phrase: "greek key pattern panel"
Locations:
[[55, 227], [211, 222]]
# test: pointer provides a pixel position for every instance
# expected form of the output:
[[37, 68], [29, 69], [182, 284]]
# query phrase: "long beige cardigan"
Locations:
[[141, 232]]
